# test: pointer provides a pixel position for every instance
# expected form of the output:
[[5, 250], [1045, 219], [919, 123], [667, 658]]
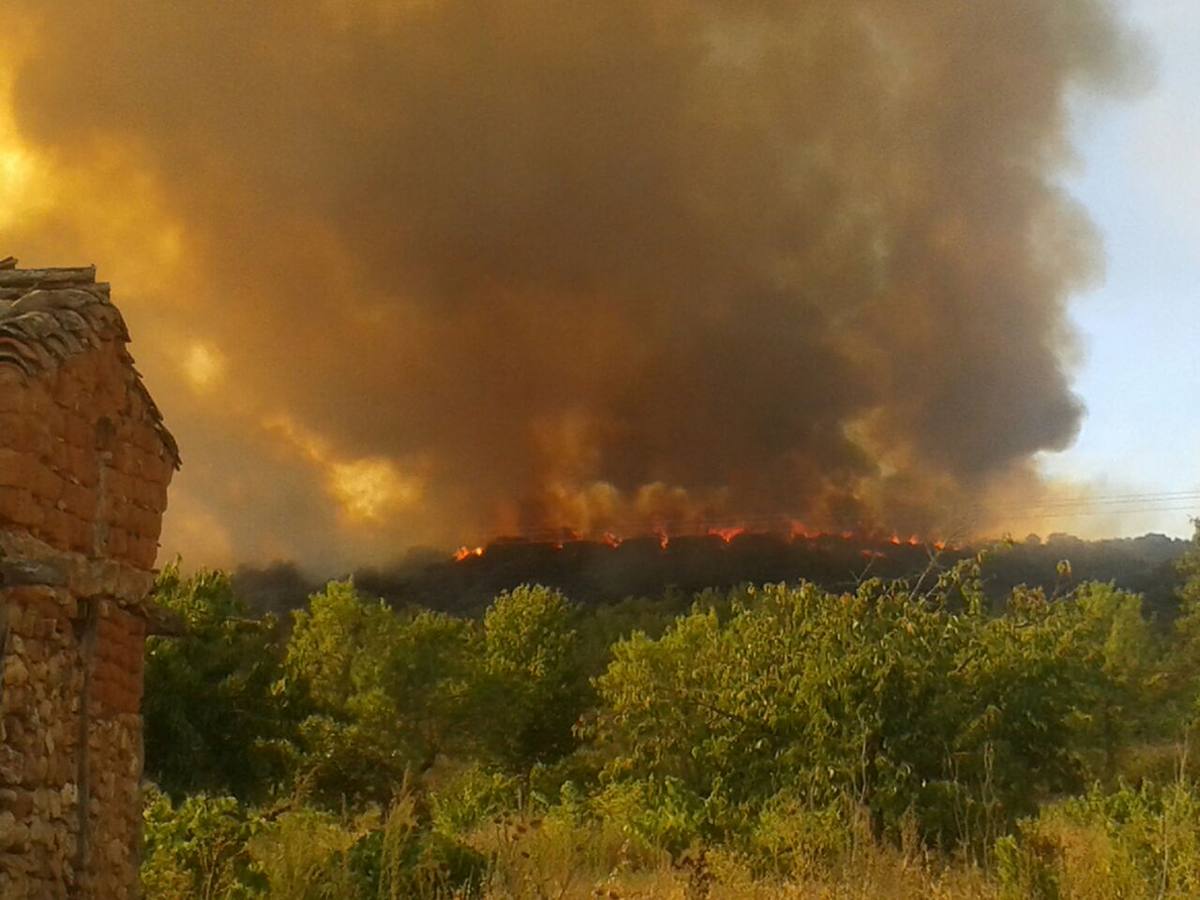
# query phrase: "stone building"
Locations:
[[84, 466]]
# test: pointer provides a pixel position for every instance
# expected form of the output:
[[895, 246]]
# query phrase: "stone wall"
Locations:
[[84, 468]]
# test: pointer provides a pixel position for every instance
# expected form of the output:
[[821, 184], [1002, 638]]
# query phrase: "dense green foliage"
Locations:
[[217, 714], [773, 736], [885, 696]]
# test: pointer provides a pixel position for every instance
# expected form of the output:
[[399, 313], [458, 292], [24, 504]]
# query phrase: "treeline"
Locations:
[[592, 572], [905, 738]]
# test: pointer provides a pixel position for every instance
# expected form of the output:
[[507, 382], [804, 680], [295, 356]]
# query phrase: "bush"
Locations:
[[790, 839], [471, 797], [772, 740], [307, 854], [417, 864], [1142, 843], [659, 813], [532, 687], [198, 849]]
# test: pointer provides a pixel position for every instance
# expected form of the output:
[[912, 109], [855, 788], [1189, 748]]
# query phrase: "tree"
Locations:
[[1185, 666], [336, 656], [431, 678], [339, 645], [216, 718], [389, 693], [1122, 656], [908, 704], [199, 849], [532, 690]]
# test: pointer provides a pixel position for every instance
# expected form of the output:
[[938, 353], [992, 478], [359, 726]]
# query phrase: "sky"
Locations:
[[1139, 178], [417, 275]]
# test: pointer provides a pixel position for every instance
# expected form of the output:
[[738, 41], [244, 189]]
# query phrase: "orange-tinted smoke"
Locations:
[[428, 272]]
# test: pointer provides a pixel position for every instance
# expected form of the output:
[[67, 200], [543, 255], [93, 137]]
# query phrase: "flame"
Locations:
[[726, 534], [797, 532], [801, 531]]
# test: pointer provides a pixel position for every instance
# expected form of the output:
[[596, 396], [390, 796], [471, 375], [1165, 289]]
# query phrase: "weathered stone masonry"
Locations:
[[84, 466]]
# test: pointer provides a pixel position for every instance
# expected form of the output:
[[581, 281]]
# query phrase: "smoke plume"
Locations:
[[437, 270]]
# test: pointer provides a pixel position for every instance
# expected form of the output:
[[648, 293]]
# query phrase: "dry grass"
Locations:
[[537, 859]]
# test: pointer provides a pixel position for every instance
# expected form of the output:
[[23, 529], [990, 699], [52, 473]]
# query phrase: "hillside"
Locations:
[[595, 572]]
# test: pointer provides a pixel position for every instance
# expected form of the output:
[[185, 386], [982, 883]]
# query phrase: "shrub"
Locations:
[[661, 813], [472, 796], [198, 849], [1142, 843], [791, 839], [417, 864]]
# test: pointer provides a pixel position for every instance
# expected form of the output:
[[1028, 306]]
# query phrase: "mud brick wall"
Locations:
[[84, 467], [79, 468]]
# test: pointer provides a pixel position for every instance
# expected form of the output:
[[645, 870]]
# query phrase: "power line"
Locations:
[[1112, 499]]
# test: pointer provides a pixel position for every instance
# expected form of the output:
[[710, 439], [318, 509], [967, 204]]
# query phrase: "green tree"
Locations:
[[909, 704], [216, 717], [339, 645], [1185, 663], [532, 690], [1189, 568], [1122, 656], [336, 656], [431, 678], [389, 693]]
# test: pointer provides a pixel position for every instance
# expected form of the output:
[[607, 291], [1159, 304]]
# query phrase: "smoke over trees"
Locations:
[[447, 270]]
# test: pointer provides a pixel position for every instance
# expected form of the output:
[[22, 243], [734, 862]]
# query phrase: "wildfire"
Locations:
[[798, 532], [726, 534]]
